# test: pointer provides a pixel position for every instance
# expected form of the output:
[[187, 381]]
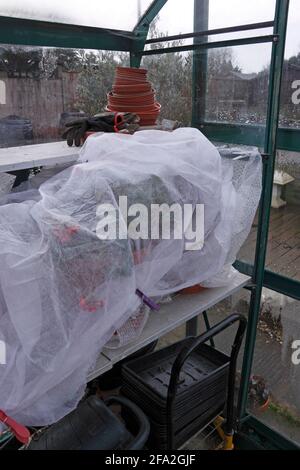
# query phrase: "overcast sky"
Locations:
[[175, 17]]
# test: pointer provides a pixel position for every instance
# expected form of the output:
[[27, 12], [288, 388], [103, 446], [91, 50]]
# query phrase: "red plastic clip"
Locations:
[[90, 306], [21, 432], [64, 234], [117, 121]]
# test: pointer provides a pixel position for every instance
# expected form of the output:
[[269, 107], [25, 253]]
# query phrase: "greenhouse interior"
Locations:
[[150, 225]]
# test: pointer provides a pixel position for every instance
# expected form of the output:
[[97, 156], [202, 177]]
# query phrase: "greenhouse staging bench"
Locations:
[[180, 310], [31, 156]]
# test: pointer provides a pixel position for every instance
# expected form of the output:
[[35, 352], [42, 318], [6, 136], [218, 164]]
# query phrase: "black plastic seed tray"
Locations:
[[200, 395], [180, 419], [181, 408], [183, 430], [186, 383], [158, 436], [206, 368], [184, 386]]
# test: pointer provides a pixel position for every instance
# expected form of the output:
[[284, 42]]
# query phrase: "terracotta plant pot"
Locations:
[[192, 290], [132, 89], [127, 108], [132, 92], [138, 99]]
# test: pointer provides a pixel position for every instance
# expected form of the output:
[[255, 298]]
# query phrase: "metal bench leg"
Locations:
[[207, 324], [191, 327], [21, 176]]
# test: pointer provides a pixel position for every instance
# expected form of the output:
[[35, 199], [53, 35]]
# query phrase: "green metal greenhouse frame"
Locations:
[[269, 137]]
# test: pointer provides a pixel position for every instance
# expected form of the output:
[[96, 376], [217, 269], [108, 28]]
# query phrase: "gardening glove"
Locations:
[[75, 131], [104, 122], [115, 122]]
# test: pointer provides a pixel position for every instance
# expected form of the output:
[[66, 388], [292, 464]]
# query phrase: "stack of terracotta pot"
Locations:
[[132, 92]]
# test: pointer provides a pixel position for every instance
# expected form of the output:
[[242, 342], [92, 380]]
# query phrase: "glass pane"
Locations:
[[115, 14], [290, 95], [237, 88], [41, 87], [274, 396], [175, 18], [171, 19], [283, 255], [283, 251], [171, 75], [247, 252], [275, 387], [234, 12]]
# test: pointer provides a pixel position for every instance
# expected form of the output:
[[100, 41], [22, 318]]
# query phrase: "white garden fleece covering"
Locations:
[[63, 291]]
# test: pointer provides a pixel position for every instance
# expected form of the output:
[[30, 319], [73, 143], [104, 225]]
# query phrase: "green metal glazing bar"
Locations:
[[209, 32], [274, 281], [45, 33], [135, 60], [141, 31], [236, 133], [250, 134], [149, 15], [281, 17], [212, 45], [200, 61], [266, 437], [288, 139]]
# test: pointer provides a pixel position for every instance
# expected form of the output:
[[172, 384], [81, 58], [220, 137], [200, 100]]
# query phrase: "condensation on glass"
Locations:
[[275, 385], [290, 94], [283, 252], [176, 17], [236, 94], [114, 14], [274, 390]]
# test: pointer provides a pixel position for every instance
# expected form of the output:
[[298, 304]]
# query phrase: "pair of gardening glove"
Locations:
[[105, 122]]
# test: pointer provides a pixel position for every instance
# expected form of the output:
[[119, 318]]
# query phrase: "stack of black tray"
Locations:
[[201, 392]]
